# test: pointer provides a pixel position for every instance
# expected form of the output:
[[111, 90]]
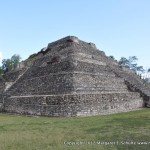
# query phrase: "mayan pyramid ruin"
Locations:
[[71, 78]]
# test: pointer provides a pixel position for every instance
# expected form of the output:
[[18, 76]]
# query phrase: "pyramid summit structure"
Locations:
[[71, 78]]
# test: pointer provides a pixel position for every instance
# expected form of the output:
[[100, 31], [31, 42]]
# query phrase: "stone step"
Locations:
[[37, 95], [109, 95], [55, 92]]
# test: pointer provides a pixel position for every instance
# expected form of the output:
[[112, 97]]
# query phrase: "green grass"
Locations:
[[43, 133]]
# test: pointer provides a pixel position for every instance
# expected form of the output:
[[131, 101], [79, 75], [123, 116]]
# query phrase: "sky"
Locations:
[[118, 27]]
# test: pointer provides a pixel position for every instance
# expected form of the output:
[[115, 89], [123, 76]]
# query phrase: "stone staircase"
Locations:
[[135, 84], [11, 85]]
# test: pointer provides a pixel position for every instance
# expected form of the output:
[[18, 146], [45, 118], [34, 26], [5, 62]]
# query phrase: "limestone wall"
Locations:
[[73, 105], [11, 76], [66, 76], [51, 84], [72, 78], [2, 85]]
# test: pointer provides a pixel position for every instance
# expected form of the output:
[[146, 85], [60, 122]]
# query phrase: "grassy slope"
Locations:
[[42, 133]]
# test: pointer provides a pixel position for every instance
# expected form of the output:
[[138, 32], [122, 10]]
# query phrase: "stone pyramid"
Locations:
[[71, 78]]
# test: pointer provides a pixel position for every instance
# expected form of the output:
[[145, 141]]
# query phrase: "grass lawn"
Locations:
[[93, 133]]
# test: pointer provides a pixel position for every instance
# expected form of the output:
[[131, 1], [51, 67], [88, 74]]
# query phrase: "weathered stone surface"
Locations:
[[71, 78], [74, 105]]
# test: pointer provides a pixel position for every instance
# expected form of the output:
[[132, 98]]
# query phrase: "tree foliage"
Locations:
[[32, 56], [112, 57], [1, 71], [15, 59], [131, 63], [8, 64]]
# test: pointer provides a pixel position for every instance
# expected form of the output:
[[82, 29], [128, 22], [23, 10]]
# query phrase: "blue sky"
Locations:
[[118, 27]]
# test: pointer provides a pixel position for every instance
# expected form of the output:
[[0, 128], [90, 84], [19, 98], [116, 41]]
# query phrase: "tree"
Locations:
[[15, 59], [124, 62], [148, 70], [1, 71], [131, 63], [112, 57], [8, 64], [4, 66]]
